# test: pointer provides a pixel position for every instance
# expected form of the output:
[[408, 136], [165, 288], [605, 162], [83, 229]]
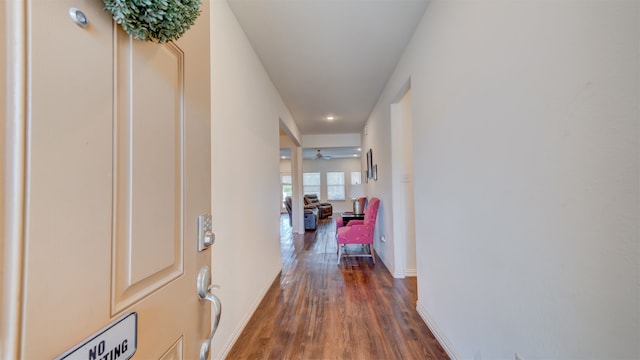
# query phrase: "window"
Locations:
[[356, 178], [335, 185], [311, 183], [285, 179]]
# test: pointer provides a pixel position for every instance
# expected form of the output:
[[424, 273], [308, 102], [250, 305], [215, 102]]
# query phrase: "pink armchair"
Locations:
[[359, 231]]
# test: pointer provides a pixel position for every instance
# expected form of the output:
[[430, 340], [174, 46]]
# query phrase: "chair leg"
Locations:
[[373, 256], [339, 253]]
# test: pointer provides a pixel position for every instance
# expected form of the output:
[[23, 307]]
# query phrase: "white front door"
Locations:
[[117, 172]]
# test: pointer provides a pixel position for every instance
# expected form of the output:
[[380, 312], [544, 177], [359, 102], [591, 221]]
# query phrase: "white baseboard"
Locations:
[[397, 274], [236, 334], [442, 339]]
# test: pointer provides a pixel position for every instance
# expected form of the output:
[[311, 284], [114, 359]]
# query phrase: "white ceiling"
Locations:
[[329, 57]]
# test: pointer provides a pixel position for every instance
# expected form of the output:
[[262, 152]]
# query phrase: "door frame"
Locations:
[[13, 190]]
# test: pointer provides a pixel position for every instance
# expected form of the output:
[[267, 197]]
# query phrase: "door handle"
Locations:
[[204, 291]]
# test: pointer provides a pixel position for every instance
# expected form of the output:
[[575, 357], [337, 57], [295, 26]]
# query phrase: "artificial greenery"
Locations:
[[154, 20]]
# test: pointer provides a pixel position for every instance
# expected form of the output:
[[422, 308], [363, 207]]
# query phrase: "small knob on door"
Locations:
[[209, 238]]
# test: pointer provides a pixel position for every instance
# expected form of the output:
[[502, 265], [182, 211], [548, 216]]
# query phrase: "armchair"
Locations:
[[325, 209], [359, 231], [310, 214]]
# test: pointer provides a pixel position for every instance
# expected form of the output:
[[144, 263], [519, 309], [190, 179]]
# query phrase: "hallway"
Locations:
[[318, 310]]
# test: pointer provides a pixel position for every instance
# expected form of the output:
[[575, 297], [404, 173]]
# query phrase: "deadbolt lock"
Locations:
[[206, 237]]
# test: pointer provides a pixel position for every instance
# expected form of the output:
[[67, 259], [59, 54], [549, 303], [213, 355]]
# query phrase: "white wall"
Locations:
[[246, 109], [3, 85], [285, 165], [323, 166], [330, 140], [402, 188], [376, 136], [527, 185]]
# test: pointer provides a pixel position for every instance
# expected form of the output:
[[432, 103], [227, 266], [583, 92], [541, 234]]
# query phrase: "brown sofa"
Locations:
[[325, 209]]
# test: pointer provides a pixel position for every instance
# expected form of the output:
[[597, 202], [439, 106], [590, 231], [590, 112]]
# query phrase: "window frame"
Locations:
[[305, 186], [341, 185]]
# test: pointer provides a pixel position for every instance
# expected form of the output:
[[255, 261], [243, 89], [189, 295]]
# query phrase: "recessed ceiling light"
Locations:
[[330, 118], [355, 155], [359, 149]]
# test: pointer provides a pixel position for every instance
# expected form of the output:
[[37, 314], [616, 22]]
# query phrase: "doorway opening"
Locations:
[[290, 179]]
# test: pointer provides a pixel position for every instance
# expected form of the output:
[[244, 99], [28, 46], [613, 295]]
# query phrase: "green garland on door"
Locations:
[[154, 20]]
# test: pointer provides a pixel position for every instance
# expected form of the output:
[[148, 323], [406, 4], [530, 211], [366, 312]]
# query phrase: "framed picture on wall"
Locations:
[[369, 164]]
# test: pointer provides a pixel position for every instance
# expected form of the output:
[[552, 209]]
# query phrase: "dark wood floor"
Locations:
[[317, 309]]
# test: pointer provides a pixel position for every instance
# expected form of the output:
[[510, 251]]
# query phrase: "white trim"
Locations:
[[236, 334], [399, 274], [442, 339], [15, 167], [297, 198]]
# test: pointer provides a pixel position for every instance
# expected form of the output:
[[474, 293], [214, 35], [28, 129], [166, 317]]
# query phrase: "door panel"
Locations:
[[175, 352], [149, 167], [118, 170]]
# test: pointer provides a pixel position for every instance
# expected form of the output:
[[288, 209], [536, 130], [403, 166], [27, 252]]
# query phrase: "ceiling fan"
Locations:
[[320, 156]]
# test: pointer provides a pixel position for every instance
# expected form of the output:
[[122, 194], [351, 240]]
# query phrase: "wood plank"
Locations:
[[317, 309]]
